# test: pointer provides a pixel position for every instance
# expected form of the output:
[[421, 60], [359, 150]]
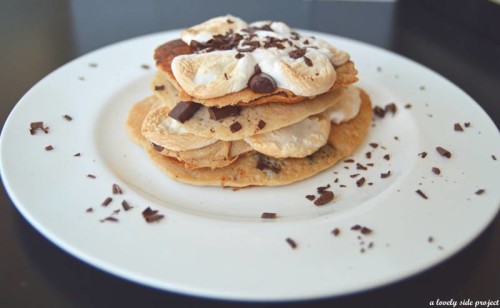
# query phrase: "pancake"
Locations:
[[164, 55], [343, 140]]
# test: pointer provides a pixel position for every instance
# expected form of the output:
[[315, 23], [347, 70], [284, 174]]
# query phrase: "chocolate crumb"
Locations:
[[267, 215], [360, 167], [308, 61], [457, 127], [110, 218], [116, 212], [396, 138], [443, 152], [467, 124], [107, 201], [360, 182], [370, 245], [126, 206], [225, 76], [422, 88], [356, 227], [89, 210], [336, 180], [116, 189], [310, 197], [391, 108], [336, 232], [145, 66], [421, 194], [291, 242], [159, 88], [379, 69], [77, 155], [49, 148], [480, 192], [493, 157], [322, 188], [324, 198], [423, 154], [370, 164], [91, 176], [430, 239], [366, 230], [349, 161], [158, 148], [408, 106], [92, 64], [67, 117], [342, 185], [436, 170], [379, 111], [387, 157], [239, 55], [261, 124], [385, 175], [151, 215], [236, 126], [368, 155], [374, 145], [354, 175], [362, 250], [34, 126]]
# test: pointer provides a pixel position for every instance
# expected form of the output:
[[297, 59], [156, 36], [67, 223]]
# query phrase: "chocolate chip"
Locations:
[[267, 215], [480, 192], [421, 194], [262, 83], [422, 154], [49, 148], [223, 112], [436, 170], [443, 152], [297, 53], [183, 111], [458, 128], [324, 198], [159, 88], [158, 148], [387, 157], [116, 189], [126, 206], [107, 201], [336, 232], [360, 182], [310, 197], [261, 124], [236, 126], [385, 175], [67, 117], [291, 242]]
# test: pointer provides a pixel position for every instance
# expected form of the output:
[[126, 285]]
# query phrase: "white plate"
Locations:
[[213, 242]]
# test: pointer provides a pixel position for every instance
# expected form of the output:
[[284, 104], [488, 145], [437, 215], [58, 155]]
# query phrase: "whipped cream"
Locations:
[[347, 106], [297, 140], [309, 72]]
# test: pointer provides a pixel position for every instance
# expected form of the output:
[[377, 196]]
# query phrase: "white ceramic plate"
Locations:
[[212, 241]]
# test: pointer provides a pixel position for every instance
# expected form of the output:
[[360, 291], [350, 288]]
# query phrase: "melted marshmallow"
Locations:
[[347, 106]]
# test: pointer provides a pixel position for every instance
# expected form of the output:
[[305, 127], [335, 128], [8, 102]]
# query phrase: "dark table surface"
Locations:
[[458, 39]]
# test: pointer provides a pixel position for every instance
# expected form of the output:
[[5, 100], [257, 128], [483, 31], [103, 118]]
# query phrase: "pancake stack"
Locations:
[[258, 104]]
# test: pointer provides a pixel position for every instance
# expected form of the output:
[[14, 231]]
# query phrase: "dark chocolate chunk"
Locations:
[[421, 194], [49, 148], [262, 83], [324, 198], [336, 232], [366, 231], [458, 128], [356, 227], [67, 117], [183, 111], [443, 152], [385, 175], [126, 206], [267, 215], [159, 88], [423, 154], [291, 242], [107, 201], [436, 170], [310, 197], [480, 192], [236, 126], [91, 176], [158, 148], [223, 112], [360, 182], [297, 53], [261, 124], [116, 189]]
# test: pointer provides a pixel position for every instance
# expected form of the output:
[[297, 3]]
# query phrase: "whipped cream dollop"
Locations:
[[228, 50]]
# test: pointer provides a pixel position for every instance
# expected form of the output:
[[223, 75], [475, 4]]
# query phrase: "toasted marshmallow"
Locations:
[[347, 106], [210, 74], [218, 25], [162, 130], [297, 140]]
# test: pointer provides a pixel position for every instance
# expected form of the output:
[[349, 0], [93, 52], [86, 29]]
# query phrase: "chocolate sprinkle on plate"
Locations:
[[436, 170], [324, 198], [91, 176], [116, 189], [360, 182], [354, 175], [423, 154], [67, 117], [77, 155], [385, 175], [183, 111], [387, 157], [349, 161], [368, 155], [374, 145], [356, 227], [467, 124], [366, 231], [379, 111], [360, 167], [458, 128], [110, 218], [107, 201], [49, 148], [430, 239], [493, 157], [291, 242], [89, 210], [336, 232], [151, 215], [310, 197], [391, 108], [322, 188], [421, 194], [443, 152], [126, 206], [145, 66], [480, 192], [267, 215], [236, 126]]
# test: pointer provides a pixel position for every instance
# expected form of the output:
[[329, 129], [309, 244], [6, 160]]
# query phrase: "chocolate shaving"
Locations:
[[368, 155], [116, 189], [360, 167], [308, 61], [158, 148], [89, 210], [423, 154], [239, 55], [126, 206], [365, 231], [356, 227], [225, 76], [379, 112], [324, 198], [385, 175], [34, 126], [291, 242], [349, 161], [387, 157], [145, 66], [391, 108], [493, 157], [458, 128], [436, 170], [110, 218], [223, 112], [159, 88], [322, 188], [336, 232], [408, 106], [267, 215], [443, 152], [360, 182], [49, 148], [91, 176], [374, 145], [480, 192], [107, 201], [421, 194], [236, 126], [183, 111], [67, 117], [467, 124], [354, 175], [77, 155], [310, 197], [151, 215]]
